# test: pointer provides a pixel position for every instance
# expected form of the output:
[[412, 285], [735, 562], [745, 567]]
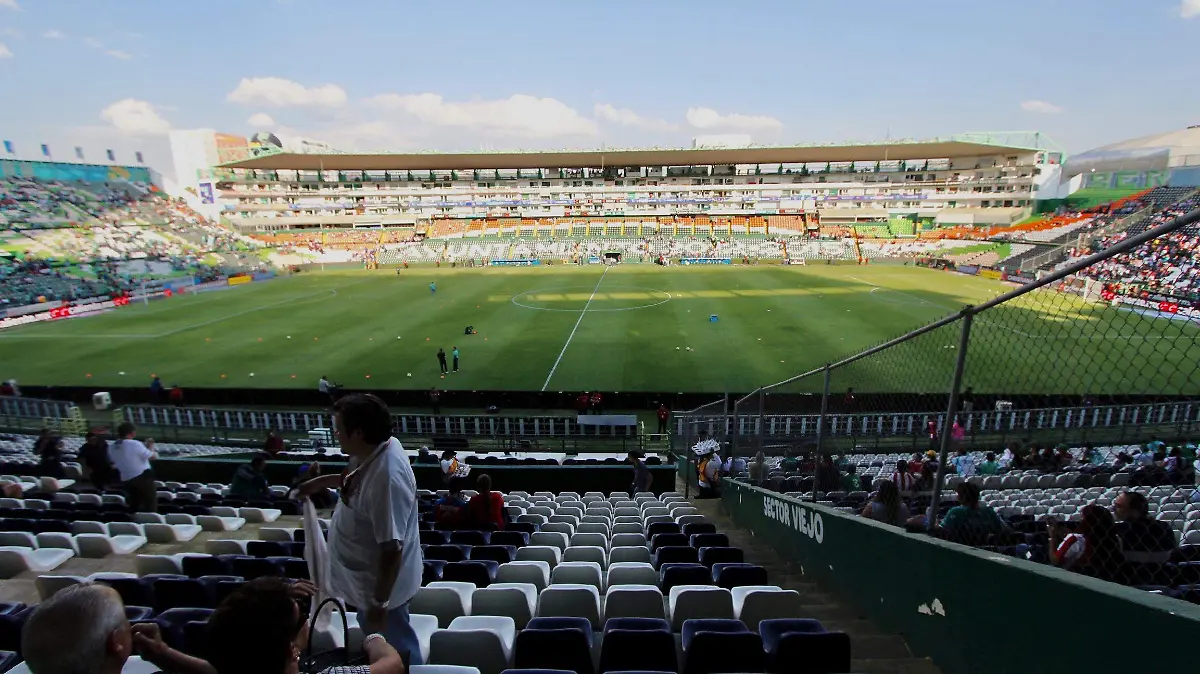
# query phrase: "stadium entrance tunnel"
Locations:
[[613, 297]]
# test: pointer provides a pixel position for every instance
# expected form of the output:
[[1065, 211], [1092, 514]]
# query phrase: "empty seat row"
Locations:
[[523, 601]]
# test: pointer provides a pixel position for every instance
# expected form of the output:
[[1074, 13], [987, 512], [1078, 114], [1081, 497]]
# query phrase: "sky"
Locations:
[[398, 75]]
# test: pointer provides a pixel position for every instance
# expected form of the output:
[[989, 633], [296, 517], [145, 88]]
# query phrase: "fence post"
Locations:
[[762, 429], [737, 427], [824, 412], [960, 364]]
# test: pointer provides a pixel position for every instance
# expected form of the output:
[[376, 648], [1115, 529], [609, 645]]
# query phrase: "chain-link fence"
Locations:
[[1054, 422]]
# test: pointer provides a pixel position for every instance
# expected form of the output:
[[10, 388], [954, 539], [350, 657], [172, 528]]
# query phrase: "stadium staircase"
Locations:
[[873, 651]]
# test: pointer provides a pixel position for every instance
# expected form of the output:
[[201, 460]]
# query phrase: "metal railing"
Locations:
[[1031, 340]]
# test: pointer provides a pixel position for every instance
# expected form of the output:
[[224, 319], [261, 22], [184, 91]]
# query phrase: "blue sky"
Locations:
[[402, 75]]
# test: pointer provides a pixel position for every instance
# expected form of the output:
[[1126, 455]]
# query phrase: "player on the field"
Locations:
[[432, 288]]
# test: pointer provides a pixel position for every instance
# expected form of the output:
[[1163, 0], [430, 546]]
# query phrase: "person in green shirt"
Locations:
[[249, 482], [789, 463], [851, 480], [989, 465], [969, 522]]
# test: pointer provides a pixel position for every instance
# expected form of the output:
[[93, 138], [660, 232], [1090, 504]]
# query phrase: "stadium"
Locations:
[[814, 408]]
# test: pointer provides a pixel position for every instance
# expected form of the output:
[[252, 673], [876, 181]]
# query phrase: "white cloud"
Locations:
[[261, 120], [118, 54], [53, 35], [707, 118], [519, 115], [1189, 8], [11, 4], [278, 92], [4, 52], [135, 118], [627, 117], [93, 43], [1040, 107]]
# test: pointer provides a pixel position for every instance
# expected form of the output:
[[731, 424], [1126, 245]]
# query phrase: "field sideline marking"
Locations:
[[577, 322]]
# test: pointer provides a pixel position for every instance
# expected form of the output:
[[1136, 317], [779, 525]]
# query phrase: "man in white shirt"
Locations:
[[132, 461], [374, 537]]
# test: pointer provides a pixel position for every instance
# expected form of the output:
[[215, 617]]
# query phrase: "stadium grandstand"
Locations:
[[641, 203], [994, 423]]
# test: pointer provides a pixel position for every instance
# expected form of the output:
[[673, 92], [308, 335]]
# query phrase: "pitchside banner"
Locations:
[[706, 260], [1161, 303], [65, 312], [514, 263]]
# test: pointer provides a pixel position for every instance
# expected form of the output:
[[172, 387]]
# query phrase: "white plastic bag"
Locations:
[[328, 630]]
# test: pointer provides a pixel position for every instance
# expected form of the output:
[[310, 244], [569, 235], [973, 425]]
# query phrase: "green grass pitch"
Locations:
[[634, 327]]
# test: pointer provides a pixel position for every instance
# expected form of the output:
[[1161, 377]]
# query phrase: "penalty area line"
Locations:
[[577, 322]]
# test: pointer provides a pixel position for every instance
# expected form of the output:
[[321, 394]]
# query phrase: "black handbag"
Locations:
[[315, 663]]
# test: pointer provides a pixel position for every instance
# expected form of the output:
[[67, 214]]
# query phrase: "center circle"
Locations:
[[609, 297]]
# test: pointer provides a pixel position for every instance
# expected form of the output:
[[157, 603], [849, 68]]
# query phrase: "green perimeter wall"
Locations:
[[1001, 615]]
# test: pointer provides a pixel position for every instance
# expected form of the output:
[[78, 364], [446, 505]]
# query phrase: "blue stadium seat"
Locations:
[[479, 572], [711, 556], [468, 538], [432, 571], [196, 566], [713, 646], [10, 630], [523, 527], [708, 541], [671, 575], [676, 554], [661, 528], [172, 623], [224, 588], [693, 528], [8, 660], [501, 554], [136, 591], [172, 593], [555, 643], [516, 539], [11, 607], [434, 537], [266, 549], [195, 638], [799, 645], [446, 553], [253, 567], [135, 614], [730, 576], [663, 540], [638, 643], [292, 567]]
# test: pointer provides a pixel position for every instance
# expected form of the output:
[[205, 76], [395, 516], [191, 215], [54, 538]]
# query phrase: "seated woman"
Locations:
[[486, 509], [1094, 549], [886, 506]]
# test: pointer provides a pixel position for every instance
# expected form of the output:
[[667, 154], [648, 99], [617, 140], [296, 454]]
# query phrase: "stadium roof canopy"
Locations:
[[1148, 153], [936, 149]]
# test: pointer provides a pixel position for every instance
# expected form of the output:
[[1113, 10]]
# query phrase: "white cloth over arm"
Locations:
[[328, 629]]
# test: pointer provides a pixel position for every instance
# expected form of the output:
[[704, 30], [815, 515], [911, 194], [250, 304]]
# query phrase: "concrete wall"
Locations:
[[969, 610]]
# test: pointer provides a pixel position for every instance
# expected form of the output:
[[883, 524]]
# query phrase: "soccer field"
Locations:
[[628, 328]]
